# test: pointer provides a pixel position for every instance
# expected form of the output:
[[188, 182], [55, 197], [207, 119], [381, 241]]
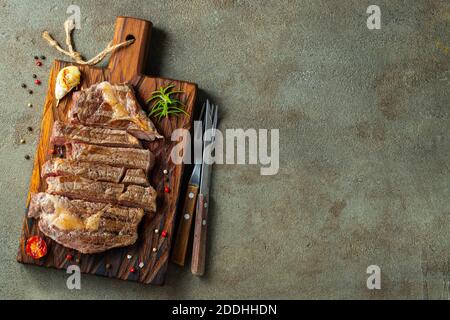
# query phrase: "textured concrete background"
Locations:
[[364, 142]]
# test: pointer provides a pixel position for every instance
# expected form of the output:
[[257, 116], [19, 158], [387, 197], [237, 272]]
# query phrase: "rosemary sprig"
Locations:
[[164, 105]]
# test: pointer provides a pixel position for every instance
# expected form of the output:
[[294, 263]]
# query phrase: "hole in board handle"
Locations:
[[130, 37]]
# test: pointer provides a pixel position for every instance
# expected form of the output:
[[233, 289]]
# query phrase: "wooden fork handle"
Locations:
[[199, 247], [185, 226]]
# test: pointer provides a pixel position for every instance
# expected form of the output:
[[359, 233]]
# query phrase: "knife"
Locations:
[[188, 211], [201, 219]]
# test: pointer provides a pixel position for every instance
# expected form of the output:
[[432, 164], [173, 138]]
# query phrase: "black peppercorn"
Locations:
[[34, 76], [30, 129], [43, 57], [27, 157], [30, 91], [24, 85]]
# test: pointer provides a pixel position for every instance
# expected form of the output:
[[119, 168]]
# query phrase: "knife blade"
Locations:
[[188, 211], [200, 231]]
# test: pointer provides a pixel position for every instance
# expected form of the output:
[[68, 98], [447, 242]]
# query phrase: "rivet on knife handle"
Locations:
[[184, 228], [199, 246]]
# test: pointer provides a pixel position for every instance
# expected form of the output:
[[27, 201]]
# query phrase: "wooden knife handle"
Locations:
[[184, 228], [199, 247]]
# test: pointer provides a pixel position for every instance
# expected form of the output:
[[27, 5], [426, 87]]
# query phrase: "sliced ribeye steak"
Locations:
[[118, 157], [63, 133], [93, 171], [135, 176], [107, 192], [88, 227], [112, 106]]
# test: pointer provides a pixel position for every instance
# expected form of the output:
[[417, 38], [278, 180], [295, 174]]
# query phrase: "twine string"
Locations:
[[69, 26]]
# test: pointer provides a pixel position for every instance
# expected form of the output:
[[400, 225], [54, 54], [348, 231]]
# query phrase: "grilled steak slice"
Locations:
[[135, 176], [88, 227], [112, 106], [118, 157], [63, 133], [93, 171], [106, 192]]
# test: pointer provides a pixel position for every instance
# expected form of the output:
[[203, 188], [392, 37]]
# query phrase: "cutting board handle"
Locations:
[[131, 59]]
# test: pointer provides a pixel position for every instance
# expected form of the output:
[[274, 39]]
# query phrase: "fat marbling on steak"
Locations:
[[107, 192], [63, 133], [93, 171], [112, 106], [118, 157], [85, 226]]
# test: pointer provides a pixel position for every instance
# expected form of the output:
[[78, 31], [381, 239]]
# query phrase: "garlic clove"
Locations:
[[60, 92], [67, 79]]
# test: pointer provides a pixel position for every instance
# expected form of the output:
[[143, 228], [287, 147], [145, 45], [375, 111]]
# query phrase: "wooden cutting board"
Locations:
[[125, 65]]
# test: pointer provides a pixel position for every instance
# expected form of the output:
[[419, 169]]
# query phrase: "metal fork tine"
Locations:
[[215, 120], [216, 116], [209, 114], [203, 110]]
